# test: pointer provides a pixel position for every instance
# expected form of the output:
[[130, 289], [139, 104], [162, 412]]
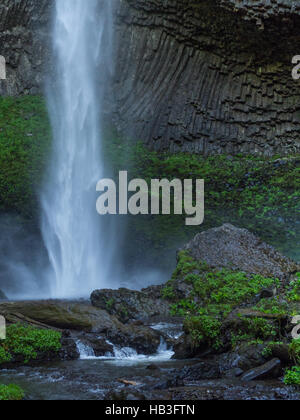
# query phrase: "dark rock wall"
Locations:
[[205, 76], [208, 76]]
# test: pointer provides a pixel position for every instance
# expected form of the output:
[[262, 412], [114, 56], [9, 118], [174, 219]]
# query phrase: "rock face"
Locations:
[[85, 322], [210, 76], [238, 249], [24, 40], [2, 296]]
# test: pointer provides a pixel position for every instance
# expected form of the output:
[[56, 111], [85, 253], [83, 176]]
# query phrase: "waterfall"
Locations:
[[78, 251]]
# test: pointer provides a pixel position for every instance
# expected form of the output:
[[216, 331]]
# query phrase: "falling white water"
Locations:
[[77, 249], [126, 355]]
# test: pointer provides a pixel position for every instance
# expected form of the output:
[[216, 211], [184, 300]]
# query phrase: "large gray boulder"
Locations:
[[238, 249]]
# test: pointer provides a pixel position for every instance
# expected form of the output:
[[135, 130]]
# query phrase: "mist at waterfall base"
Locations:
[[77, 251]]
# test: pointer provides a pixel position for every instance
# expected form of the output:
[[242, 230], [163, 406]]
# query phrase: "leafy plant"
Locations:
[[11, 393]]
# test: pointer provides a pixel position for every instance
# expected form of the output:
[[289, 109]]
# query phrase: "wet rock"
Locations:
[[281, 351], [129, 305], [152, 367], [244, 358], [69, 349], [169, 383], [184, 348], [269, 370], [83, 317], [238, 249]]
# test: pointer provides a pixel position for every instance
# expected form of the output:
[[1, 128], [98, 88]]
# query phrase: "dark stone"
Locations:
[[184, 348], [69, 349], [228, 84], [152, 367], [169, 383], [269, 370]]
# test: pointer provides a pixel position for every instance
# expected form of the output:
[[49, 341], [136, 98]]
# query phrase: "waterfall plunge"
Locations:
[[78, 251]]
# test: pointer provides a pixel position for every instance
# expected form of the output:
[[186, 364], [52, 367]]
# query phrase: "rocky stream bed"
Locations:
[[219, 329]]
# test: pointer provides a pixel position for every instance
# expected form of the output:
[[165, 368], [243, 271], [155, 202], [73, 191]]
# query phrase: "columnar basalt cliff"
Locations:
[[206, 76]]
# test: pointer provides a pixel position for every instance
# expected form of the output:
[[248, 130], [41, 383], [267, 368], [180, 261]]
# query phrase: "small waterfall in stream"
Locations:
[[77, 248]]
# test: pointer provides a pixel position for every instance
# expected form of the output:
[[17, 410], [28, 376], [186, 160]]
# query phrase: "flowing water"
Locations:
[[70, 225]]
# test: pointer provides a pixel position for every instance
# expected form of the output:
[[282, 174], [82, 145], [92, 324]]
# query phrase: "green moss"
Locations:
[[28, 342], [25, 138], [292, 376], [260, 194], [11, 393], [213, 296]]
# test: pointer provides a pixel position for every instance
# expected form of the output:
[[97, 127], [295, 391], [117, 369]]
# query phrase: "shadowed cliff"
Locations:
[[206, 76]]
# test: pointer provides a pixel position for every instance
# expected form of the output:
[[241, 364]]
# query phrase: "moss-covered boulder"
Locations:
[[232, 289], [11, 393], [82, 321]]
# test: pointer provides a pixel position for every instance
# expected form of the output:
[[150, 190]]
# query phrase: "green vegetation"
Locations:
[[24, 148], [292, 376], [26, 343], [295, 351], [260, 194], [213, 296], [253, 192], [294, 289], [11, 393]]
